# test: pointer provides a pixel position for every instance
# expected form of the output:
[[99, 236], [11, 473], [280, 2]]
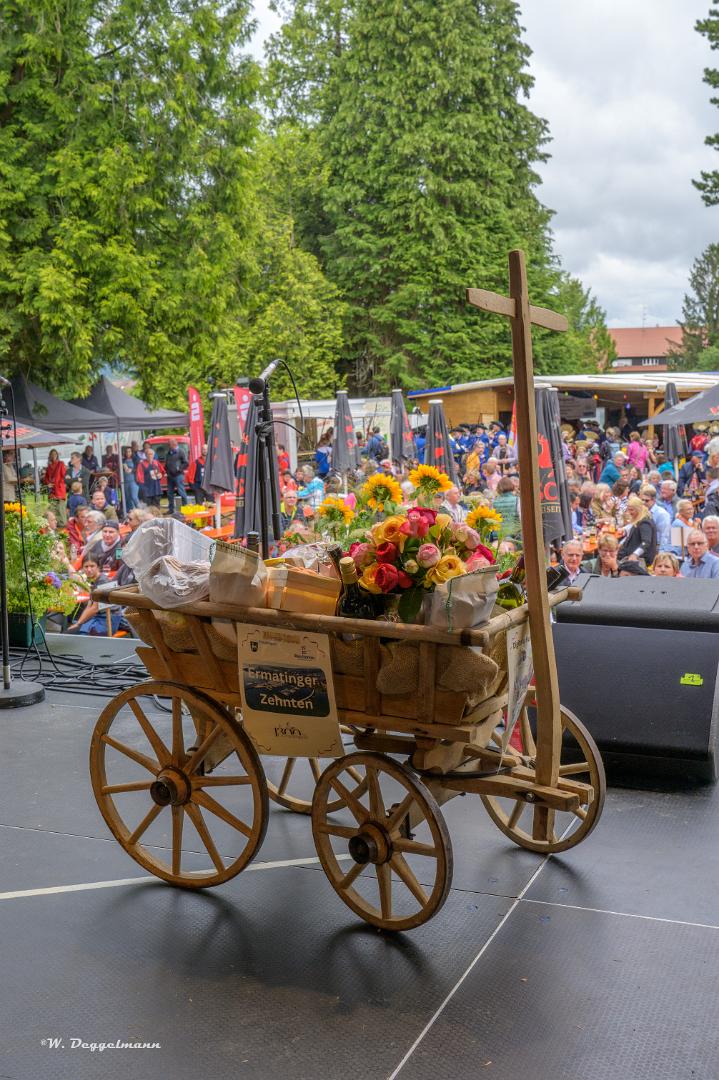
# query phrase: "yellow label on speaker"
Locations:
[[691, 679]]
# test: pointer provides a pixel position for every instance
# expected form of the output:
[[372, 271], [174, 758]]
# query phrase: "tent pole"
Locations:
[[120, 481], [218, 511], [36, 475]]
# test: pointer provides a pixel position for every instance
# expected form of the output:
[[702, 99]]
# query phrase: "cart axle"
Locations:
[[172, 788]]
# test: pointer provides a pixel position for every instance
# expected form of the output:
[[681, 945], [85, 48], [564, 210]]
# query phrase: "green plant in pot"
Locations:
[[48, 590]]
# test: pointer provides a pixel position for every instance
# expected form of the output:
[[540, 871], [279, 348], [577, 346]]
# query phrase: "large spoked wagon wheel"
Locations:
[[160, 801], [297, 774], [580, 762], [387, 852]]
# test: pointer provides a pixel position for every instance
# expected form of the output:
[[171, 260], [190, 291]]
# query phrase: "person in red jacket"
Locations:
[[54, 478]]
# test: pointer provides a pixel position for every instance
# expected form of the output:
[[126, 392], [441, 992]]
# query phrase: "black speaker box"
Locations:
[[638, 662]]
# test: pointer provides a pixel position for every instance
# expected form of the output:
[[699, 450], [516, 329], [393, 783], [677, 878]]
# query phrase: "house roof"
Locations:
[[638, 341]]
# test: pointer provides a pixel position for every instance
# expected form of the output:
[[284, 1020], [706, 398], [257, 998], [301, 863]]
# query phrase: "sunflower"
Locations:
[[483, 515], [429, 479], [380, 489], [336, 510], [15, 508]]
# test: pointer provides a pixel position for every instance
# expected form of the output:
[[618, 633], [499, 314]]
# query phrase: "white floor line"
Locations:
[[438, 1012], [87, 886], [623, 914]]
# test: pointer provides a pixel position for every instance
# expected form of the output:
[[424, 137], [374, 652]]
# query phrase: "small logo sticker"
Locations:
[[691, 679]]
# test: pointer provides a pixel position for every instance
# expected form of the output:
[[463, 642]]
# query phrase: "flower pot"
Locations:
[[20, 630]]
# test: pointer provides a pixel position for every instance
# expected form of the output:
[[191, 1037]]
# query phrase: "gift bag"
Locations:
[[238, 577], [462, 602]]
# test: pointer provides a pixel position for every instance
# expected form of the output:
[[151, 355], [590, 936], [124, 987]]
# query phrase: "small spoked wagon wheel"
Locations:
[[296, 775], [580, 762], [184, 820], [387, 852]]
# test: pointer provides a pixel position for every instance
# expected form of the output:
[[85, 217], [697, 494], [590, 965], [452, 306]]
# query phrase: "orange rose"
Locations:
[[367, 581]]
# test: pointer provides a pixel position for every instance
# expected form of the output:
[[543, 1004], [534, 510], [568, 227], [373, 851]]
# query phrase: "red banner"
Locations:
[[243, 397], [197, 423]]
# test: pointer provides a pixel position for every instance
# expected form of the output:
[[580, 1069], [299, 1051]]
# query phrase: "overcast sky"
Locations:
[[620, 83]]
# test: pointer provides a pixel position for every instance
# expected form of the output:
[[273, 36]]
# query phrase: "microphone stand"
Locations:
[[14, 693], [265, 431]]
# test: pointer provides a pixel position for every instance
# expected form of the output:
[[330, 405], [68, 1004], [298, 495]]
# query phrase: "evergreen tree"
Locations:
[[709, 28], [700, 315], [125, 140], [431, 156], [587, 345]]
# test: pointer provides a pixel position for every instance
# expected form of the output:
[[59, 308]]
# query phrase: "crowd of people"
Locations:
[[633, 511]]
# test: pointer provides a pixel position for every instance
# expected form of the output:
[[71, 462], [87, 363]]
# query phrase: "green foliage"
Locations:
[[125, 142], [39, 553], [431, 153], [587, 344], [709, 28], [700, 316]]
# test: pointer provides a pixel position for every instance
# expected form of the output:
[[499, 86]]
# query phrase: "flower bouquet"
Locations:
[[412, 552]]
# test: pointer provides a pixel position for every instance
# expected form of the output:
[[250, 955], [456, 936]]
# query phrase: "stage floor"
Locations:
[[598, 964]]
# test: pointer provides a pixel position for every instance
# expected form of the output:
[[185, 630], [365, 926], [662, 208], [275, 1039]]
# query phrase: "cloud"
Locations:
[[620, 85]]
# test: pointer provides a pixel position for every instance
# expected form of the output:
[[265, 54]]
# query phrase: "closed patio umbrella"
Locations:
[[400, 433], [219, 468], [437, 448], [675, 439], [247, 510], [344, 445], [553, 486]]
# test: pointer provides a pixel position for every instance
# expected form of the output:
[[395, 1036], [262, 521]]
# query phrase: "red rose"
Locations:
[[404, 580], [386, 577], [430, 516], [482, 550], [386, 552]]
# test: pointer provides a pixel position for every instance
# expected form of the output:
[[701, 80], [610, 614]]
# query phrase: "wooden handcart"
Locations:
[[376, 820]]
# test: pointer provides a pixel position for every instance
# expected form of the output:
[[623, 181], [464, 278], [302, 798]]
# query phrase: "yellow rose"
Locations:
[[443, 521], [449, 566], [367, 580], [388, 531]]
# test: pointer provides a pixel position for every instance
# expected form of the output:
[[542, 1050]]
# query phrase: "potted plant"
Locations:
[[42, 589]]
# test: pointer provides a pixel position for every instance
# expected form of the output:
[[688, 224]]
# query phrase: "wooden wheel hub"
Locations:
[[371, 845], [172, 788]]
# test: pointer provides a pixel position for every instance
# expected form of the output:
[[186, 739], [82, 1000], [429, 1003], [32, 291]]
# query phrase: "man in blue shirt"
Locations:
[[648, 495], [668, 497], [699, 563]]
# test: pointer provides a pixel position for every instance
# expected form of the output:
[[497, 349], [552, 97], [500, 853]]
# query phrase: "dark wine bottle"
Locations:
[[334, 554], [354, 603], [557, 577]]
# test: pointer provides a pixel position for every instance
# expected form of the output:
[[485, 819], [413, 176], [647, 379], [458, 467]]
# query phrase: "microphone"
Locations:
[[257, 385], [4, 382]]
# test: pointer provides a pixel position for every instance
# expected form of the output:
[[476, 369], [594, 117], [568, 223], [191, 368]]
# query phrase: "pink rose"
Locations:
[[416, 524], [476, 562], [386, 577], [387, 553], [362, 554], [469, 538], [428, 555]]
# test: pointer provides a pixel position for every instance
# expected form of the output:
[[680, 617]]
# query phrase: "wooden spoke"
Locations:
[[378, 833], [163, 754], [406, 873], [397, 816], [144, 824], [286, 774], [516, 814], [136, 785], [202, 749], [575, 768], [529, 746], [352, 873], [358, 810], [134, 755], [346, 832], [414, 847], [316, 770], [178, 742], [384, 880], [178, 817], [217, 731], [581, 812], [219, 781], [376, 805], [195, 815], [219, 811]]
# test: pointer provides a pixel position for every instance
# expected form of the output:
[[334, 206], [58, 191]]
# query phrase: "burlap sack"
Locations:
[[459, 668], [176, 633], [347, 656]]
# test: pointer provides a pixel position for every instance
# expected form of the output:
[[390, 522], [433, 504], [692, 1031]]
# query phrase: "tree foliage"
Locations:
[[709, 28], [700, 316], [125, 227], [417, 109]]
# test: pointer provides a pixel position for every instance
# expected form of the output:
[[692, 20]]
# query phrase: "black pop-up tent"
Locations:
[[36, 407], [695, 410], [128, 413]]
